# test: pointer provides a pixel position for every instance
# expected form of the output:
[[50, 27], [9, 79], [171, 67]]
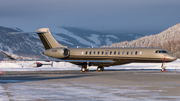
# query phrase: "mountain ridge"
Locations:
[[168, 39], [29, 45]]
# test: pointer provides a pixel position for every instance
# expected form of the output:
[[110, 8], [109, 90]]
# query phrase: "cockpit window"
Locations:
[[164, 51], [161, 51]]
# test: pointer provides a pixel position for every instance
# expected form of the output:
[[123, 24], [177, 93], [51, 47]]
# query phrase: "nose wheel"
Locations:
[[163, 67], [163, 64]]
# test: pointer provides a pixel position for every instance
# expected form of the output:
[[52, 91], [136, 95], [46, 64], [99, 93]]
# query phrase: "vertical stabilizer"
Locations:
[[47, 39]]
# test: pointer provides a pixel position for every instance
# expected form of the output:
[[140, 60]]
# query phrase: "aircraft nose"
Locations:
[[170, 58], [173, 58]]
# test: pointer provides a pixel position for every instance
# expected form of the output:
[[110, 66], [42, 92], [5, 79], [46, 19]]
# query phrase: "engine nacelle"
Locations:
[[57, 53]]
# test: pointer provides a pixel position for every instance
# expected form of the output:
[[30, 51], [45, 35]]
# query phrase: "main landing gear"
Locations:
[[100, 68], [163, 67], [85, 68]]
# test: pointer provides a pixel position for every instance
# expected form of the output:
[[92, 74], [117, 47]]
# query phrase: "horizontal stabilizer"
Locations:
[[10, 57], [36, 32]]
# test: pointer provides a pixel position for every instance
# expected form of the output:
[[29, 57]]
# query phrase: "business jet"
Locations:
[[100, 57]]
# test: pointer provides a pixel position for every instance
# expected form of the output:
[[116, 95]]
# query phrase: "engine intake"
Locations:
[[66, 52], [57, 53]]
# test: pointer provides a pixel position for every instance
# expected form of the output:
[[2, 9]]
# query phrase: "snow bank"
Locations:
[[25, 66]]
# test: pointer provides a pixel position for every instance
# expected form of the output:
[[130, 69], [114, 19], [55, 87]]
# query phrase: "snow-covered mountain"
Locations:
[[30, 44], [25, 45], [73, 37]]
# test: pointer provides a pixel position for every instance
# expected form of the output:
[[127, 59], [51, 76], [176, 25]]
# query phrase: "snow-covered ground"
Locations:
[[78, 91], [60, 89], [25, 66]]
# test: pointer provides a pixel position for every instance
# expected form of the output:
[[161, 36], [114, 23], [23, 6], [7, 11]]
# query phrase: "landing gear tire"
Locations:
[[83, 69], [100, 68], [163, 70]]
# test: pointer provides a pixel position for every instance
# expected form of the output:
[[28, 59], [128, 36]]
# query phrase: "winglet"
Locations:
[[10, 57]]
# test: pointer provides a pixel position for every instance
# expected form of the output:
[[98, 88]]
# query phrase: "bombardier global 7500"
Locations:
[[100, 57]]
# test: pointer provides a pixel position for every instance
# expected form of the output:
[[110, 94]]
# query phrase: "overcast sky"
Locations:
[[124, 16]]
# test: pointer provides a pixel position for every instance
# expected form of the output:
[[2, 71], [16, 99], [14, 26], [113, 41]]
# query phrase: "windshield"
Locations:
[[161, 51]]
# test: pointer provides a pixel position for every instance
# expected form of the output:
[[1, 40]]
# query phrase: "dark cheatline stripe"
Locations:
[[44, 41]]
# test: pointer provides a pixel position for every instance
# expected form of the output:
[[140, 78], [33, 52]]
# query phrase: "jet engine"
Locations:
[[57, 53]]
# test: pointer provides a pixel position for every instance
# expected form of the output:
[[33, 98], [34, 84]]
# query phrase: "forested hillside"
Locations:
[[168, 39]]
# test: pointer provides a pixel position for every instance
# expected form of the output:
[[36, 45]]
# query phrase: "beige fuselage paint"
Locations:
[[119, 55], [113, 53]]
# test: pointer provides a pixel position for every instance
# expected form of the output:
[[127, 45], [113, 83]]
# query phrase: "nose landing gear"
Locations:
[[163, 64], [163, 67]]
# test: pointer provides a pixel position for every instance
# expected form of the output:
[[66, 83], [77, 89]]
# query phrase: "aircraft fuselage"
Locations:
[[119, 55]]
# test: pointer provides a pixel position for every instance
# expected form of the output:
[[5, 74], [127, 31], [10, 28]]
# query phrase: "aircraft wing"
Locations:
[[78, 62]]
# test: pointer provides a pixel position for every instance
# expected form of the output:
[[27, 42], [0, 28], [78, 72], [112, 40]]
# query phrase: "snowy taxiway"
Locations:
[[64, 81], [118, 85]]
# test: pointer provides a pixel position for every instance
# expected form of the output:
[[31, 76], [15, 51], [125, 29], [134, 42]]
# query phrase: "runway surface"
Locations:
[[77, 86]]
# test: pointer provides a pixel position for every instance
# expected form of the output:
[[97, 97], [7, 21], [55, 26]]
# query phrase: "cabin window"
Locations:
[[114, 52], [90, 52], [82, 52], [94, 52], [140, 52], [86, 52], [127, 52], [164, 51], [102, 52], [123, 53], [98, 52], [106, 52], [131, 52], [119, 53], [136, 53], [110, 52]]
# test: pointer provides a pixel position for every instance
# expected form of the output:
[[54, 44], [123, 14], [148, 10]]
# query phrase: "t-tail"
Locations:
[[53, 48], [47, 39]]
